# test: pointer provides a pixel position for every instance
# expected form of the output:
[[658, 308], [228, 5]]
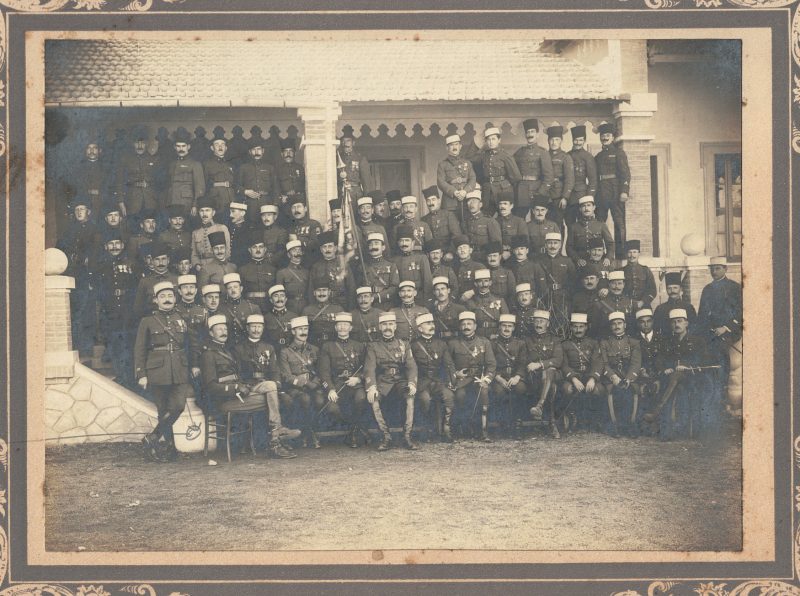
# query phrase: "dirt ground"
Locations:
[[582, 492]]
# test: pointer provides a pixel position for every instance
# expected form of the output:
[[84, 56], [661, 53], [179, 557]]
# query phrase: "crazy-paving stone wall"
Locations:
[[90, 408]]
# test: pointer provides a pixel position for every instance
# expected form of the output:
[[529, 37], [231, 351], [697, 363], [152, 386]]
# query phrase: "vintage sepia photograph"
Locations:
[[415, 292]]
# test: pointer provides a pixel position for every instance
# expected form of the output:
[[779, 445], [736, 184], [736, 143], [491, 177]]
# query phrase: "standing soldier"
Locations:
[[503, 280], [136, 178], [420, 229], [622, 362], [499, 169], [354, 172], [540, 226], [719, 317], [391, 371], [143, 301], [586, 229], [341, 370], [329, 272], [303, 228], [395, 200], [582, 369], [257, 180], [214, 270], [445, 310], [563, 175], [661, 322], [443, 223], [366, 224], [475, 367], [185, 178], [321, 314], [508, 386], [435, 367], [465, 268], [525, 308], [145, 235], [161, 367], [258, 274], [238, 147], [535, 168], [411, 265], [615, 301], [585, 300], [202, 252], [238, 229], [294, 277], [480, 227], [275, 237], [92, 179], [406, 314], [291, 176], [435, 250], [560, 283], [177, 235], [298, 362], [195, 316], [543, 359], [639, 280], [486, 305], [117, 279], [585, 173], [236, 308], [525, 269], [614, 180], [277, 318], [364, 317], [220, 185], [455, 177], [258, 362], [510, 225], [379, 273]]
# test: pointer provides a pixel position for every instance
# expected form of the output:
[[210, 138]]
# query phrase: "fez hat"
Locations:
[[555, 131], [431, 191], [492, 247], [531, 124], [633, 245], [604, 128], [394, 195], [182, 135], [519, 240], [434, 244], [216, 238], [578, 132], [328, 237], [404, 231], [287, 144], [596, 242], [672, 278], [206, 201]]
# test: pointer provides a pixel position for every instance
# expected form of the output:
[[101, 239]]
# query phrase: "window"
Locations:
[[722, 172]]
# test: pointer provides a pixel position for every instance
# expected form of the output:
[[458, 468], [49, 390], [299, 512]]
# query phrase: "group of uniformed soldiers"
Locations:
[[235, 295]]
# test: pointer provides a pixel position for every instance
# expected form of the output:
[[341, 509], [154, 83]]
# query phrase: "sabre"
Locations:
[[478, 380], [327, 403]]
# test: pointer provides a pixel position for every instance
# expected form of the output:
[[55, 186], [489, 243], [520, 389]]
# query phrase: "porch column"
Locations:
[[634, 123], [320, 143], [59, 357]]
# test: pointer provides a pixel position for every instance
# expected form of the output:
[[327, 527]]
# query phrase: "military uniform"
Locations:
[[510, 356], [622, 356], [295, 279], [442, 270], [501, 176], [487, 308], [563, 182], [340, 359], [446, 318], [117, 281], [202, 253], [582, 360], [195, 316], [390, 367], [640, 284], [614, 177], [531, 272], [237, 312], [661, 322], [185, 182], [321, 319], [545, 349], [536, 170], [475, 356], [92, 180], [134, 246], [721, 306], [291, 178], [136, 178], [259, 176], [585, 181], [435, 368], [510, 226], [525, 316], [605, 306], [415, 267], [143, 300], [257, 278], [296, 361], [355, 174], [422, 233], [560, 277], [307, 231], [160, 355], [220, 185], [275, 239], [176, 239], [481, 230], [382, 275], [444, 226], [465, 272], [537, 230], [504, 283], [407, 321], [365, 325], [276, 326], [582, 232], [454, 174], [338, 279], [213, 272]]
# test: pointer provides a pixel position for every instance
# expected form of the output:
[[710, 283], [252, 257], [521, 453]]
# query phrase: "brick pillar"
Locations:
[[634, 123], [320, 143], [59, 356]]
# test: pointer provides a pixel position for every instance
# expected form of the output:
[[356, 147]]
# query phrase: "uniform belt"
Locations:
[[555, 286], [93, 192], [258, 375], [390, 370], [530, 178], [119, 293], [169, 348], [227, 379], [141, 184], [256, 294], [222, 185], [458, 180], [488, 324], [607, 176], [496, 178]]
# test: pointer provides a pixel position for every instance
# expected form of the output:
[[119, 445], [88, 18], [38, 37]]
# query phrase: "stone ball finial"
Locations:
[[55, 262], [693, 245]]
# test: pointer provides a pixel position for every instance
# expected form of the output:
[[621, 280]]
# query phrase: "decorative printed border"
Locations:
[[654, 588]]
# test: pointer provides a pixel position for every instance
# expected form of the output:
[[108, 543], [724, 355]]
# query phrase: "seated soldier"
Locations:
[[321, 315], [303, 387], [365, 318], [582, 369], [258, 363], [486, 305], [435, 368], [445, 311], [226, 388], [294, 277], [622, 361], [391, 371], [690, 404], [341, 370], [508, 388], [648, 384], [408, 311], [543, 358], [475, 367]]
